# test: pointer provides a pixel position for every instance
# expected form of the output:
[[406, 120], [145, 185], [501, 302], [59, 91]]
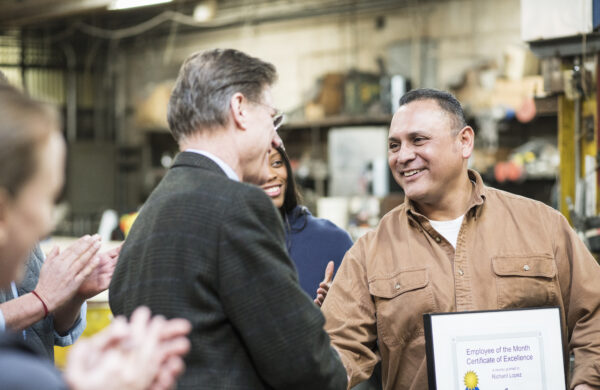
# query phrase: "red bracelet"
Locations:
[[43, 303]]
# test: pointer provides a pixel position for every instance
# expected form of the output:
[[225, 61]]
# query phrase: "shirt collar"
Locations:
[[222, 164], [477, 198]]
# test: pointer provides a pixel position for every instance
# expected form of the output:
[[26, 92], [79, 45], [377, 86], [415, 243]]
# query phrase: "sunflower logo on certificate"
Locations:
[[471, 380]]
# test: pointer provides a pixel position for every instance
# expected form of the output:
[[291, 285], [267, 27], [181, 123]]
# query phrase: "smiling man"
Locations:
[[209, 247], [454, 245]]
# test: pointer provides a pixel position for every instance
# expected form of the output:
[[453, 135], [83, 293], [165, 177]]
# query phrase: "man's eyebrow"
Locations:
[[410, 135]]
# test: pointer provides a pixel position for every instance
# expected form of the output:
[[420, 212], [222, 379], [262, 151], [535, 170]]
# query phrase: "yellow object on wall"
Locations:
[[566, 146]]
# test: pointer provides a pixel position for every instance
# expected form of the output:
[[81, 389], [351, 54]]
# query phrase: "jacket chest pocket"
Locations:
[[525, 281], [401, 299]]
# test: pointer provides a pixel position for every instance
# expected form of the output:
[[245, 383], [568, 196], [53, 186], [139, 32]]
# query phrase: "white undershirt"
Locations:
[[448, 229]]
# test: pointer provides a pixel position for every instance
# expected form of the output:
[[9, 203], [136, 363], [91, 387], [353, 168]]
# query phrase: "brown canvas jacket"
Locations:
[[511, 252]]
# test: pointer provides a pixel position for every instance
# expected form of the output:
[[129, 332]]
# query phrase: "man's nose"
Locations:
[[405, 154]]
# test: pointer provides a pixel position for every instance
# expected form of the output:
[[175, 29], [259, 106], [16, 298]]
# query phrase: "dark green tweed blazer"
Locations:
[[212, 250]]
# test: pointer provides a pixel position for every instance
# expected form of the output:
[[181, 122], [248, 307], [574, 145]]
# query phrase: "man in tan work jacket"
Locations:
[[455, 245]]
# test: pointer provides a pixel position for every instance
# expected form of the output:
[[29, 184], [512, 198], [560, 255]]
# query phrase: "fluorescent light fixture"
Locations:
[[123, 4]]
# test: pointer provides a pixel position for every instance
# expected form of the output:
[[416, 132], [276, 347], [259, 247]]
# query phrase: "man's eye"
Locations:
[[393, 146]]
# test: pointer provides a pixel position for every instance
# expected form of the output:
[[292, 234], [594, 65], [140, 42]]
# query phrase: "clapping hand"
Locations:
[[99, 279], [64, 272], [144, 354]]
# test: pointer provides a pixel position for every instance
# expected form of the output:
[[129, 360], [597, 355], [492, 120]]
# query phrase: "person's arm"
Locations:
[[22, 312], [281, 327], [579, 274], [350, 317], [60, 277], [68, 337]]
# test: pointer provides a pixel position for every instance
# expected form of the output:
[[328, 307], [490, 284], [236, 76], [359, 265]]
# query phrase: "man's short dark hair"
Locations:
[[206, 82], [445, 100]]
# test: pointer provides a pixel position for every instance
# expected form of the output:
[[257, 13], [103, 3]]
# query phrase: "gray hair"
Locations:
[[206, 82], [445, 100]]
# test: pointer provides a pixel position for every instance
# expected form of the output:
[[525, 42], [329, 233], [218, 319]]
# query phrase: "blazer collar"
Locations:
[[195, 160]]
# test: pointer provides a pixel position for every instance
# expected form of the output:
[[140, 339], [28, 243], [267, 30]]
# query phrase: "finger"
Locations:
[[176, 327], [175, 347], [112, 255], [323, 289], [329, 272], [167, 375], [319, 300], [115, 251], [53, 252], [85, 270], [88, 254], [140, 317], [80, 253]]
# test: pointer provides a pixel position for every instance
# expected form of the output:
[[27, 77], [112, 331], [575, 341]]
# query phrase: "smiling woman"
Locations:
[[311, 242]]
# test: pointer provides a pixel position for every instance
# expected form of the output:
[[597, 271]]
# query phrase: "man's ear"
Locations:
[[466, 138], [237, 110]]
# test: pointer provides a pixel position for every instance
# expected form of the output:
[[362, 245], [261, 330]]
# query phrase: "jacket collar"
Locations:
[[475, 203], [195, 160]]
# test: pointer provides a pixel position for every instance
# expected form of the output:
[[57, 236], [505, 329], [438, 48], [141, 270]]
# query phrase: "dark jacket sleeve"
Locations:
[[279, 324], [21, 368]]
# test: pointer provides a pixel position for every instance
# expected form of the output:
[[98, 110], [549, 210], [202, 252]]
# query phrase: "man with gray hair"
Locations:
[[210, 248]]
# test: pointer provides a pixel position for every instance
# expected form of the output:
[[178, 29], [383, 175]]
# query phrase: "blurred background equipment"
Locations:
[[526, 72]]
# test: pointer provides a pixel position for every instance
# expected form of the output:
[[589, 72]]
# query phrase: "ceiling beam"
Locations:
[[15, 13]]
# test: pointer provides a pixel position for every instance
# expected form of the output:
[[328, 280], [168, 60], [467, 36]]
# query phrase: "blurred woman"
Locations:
[[32, 162], [311, 242]]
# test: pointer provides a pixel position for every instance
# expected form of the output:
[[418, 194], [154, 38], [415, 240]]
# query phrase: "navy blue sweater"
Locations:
[[312, 243]]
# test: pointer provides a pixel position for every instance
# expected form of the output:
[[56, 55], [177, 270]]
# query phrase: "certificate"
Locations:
[[495, 350]]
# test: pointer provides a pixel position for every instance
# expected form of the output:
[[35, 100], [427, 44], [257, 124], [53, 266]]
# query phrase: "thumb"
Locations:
[[329, 272]]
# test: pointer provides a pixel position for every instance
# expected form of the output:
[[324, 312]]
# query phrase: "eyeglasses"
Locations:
[[277, 116], [278, 120]]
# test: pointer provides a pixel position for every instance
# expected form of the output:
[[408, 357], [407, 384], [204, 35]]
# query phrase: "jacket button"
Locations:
[[437, 239], [460, 272], [525, 267], [397, 286]]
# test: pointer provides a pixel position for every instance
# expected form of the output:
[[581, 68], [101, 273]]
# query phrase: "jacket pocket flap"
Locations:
[[535, 265], [401, 282]]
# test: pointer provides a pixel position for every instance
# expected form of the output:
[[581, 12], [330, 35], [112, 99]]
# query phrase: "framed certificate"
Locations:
[[495, 350]]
